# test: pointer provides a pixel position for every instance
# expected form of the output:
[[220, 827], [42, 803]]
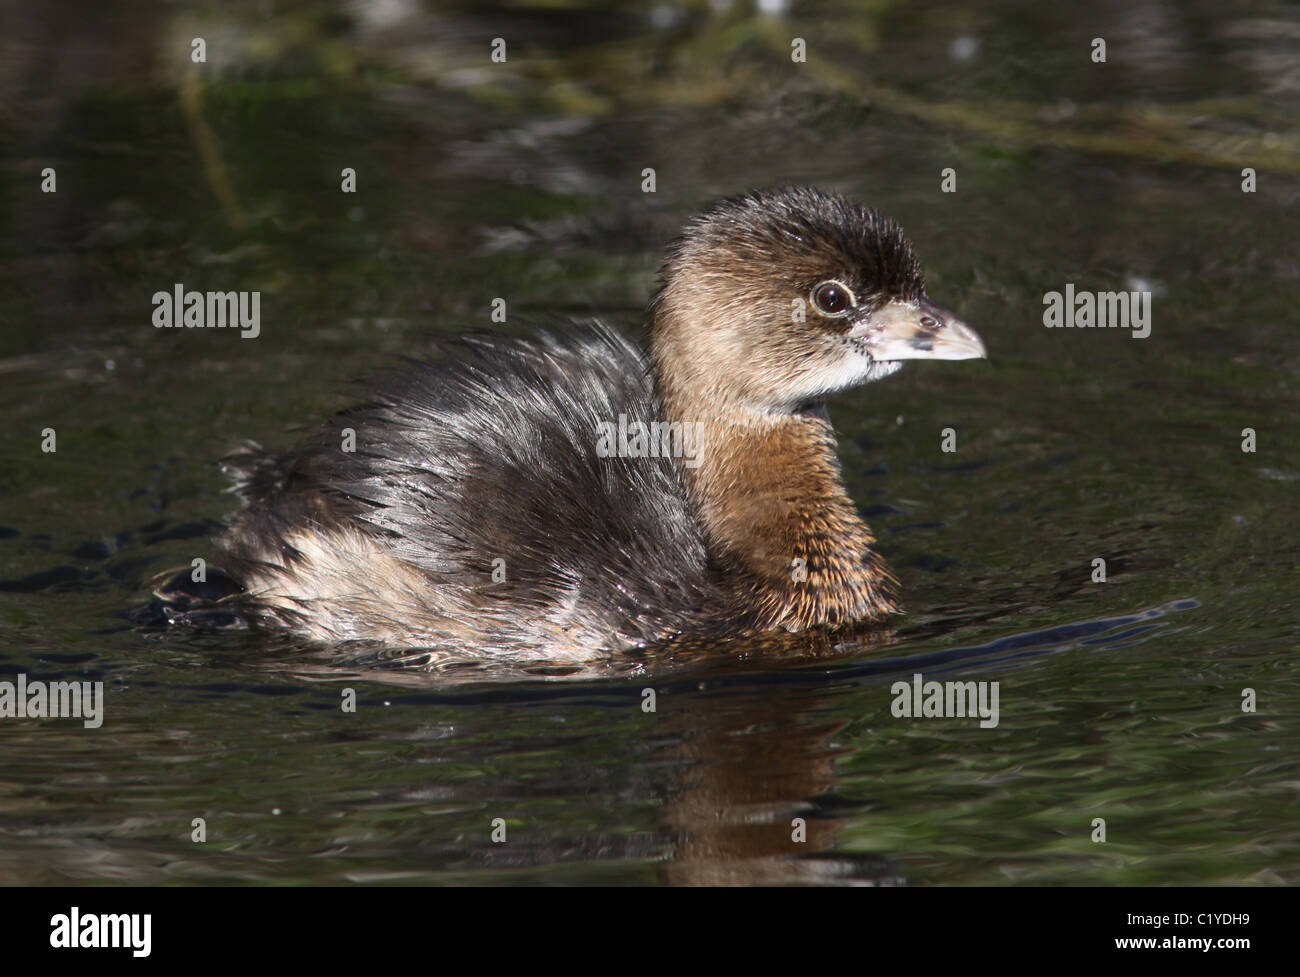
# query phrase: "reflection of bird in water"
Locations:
[[752, 765]]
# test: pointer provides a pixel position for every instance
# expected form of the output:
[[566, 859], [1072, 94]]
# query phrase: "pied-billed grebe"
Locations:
[[568, 496]]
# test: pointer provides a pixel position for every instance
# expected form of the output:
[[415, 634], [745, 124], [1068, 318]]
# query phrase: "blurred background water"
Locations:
[[523, 179]]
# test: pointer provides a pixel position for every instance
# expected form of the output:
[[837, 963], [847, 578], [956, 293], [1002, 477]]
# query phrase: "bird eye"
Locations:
[[832, 298]]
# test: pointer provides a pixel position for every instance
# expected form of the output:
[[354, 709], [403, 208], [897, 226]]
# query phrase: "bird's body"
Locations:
[[488, 502], [452, 523]]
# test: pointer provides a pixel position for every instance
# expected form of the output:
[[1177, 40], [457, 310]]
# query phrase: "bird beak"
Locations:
[[917, 331]]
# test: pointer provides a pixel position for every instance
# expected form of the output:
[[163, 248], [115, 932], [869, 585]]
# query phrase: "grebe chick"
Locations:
[[568, 497]]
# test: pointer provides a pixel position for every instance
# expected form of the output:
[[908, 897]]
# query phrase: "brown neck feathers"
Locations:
[[768, 490]]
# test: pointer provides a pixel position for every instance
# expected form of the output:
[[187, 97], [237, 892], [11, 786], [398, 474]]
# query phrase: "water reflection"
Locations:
[[755, 800]]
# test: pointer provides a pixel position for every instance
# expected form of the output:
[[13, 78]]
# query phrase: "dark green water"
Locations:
[[1119, 700]]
